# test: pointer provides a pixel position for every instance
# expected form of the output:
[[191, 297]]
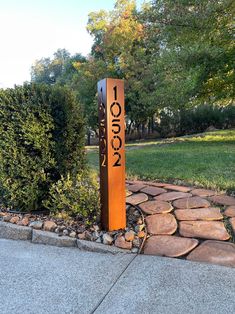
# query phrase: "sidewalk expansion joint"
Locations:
[[112, 286]]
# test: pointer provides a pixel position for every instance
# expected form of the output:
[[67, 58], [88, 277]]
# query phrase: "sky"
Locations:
[[33, 29]]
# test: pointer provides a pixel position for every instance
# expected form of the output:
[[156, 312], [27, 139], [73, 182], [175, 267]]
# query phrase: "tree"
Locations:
[[194, 62], [59, 69]]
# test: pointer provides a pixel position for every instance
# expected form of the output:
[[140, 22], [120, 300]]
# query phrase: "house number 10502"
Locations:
[[116, 141]]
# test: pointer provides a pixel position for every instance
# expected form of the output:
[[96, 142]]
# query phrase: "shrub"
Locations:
[[75, 196], [41, 142], [196, 119]]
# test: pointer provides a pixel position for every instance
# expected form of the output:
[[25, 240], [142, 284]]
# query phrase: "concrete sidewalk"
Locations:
[[38, 279]]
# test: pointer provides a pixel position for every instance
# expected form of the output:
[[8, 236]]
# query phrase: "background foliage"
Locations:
[[174, 55]]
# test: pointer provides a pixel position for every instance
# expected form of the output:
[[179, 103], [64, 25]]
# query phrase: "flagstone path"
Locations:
[[186, 222]]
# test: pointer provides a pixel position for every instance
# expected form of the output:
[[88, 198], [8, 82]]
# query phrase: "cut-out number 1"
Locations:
[[115, 92]]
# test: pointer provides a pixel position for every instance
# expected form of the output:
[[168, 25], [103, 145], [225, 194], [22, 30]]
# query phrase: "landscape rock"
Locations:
[[139, 228], [153, 191], [171, 196], [7, 218], [136, 199], [136, 242], [14, 219], [107, 239], [23, 222], [203, 192], [88, 235], [73, 234], [209, 213], [134, 250], [211, 128], [155, 207], [161, 224], [141, 234], [36, 224], [214, 230], [170, 246], [215, 252], [95, 235], [191, 202], [129, 235], [230, 211], [65, 232], [122, 243], [82, 236], [223, 200], [49, 225]]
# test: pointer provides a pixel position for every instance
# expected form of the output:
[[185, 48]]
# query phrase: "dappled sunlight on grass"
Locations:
[[207, 161]]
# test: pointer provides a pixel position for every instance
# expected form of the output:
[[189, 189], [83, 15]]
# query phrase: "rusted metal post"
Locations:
[[112, 153]]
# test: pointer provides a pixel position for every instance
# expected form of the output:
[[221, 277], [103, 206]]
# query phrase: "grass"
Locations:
[[206, 160]]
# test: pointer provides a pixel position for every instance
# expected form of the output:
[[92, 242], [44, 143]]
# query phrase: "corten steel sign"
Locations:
[[112, 153]]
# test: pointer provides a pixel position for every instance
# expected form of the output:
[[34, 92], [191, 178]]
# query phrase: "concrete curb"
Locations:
[[99, 247], [50, 238], [15, 232]]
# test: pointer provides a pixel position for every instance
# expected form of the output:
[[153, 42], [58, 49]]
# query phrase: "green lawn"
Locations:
[[206, 160]]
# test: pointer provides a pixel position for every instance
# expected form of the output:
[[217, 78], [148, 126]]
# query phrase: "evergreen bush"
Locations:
[[41, 142]]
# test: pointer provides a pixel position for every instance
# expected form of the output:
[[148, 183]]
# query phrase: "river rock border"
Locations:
[[15, 232], [163, 219]]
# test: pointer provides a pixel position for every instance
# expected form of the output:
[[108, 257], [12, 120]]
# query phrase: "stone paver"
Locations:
[[191, 202], [214, 230], [230, 211], [215, 252], [223, 200], [157, 184], [177, 188], [136, 187], [171, 196], [209, 213], [136, 199], [156, 207], [161, 224], [170, 246], [232, 222], [153, 191], [203, 192]]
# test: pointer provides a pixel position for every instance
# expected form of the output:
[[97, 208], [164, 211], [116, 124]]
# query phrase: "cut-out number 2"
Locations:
[[117, 162]]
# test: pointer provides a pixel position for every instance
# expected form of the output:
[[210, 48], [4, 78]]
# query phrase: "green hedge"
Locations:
[[195, 120], [41, 141]]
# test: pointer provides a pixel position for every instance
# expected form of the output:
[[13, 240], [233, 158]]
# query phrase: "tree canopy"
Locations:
[[173, 55]]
